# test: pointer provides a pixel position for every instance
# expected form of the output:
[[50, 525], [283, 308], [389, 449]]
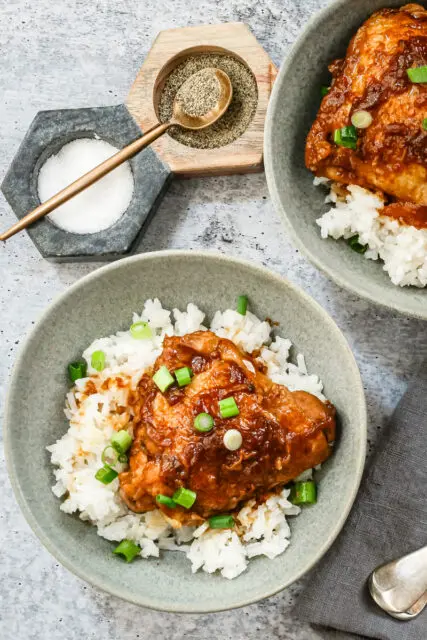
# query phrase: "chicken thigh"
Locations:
[[283, 432], [391, 153]]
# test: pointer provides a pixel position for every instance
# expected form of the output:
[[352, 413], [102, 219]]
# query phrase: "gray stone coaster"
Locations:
[[48, 132]]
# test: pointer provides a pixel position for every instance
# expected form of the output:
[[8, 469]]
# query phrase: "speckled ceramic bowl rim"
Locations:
[[147, 601], [270, 130]]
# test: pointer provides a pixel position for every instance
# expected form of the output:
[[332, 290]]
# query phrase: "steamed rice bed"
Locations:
[[259, 530]]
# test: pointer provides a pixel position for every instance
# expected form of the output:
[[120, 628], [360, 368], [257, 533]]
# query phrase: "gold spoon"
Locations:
[[179, 117]]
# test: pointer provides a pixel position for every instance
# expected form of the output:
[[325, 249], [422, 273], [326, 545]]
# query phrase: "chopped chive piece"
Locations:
[[121, 441], [77, 370], [346, 137], [354, 243], [163, 378], [304, 493], [128, 549], [109, 455], [106, 474], [203, 422], [242, 305], [168, 502], [228, 408], [221, 522], [425, 124], [324, 90], [98, 360], [183, 376], [418, 74], [349, 133], [141, 331], [184, 497], [123, 458]]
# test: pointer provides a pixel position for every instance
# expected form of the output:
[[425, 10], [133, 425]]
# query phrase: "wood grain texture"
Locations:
[[244, 155]]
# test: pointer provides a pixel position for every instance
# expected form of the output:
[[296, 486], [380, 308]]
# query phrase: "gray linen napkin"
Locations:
[[388, 520]]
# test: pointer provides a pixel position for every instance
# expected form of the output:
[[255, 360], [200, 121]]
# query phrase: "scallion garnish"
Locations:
[[106, 474], [346, 137], [203, 422], [123, 458], [77, 370], [232, 439], [354, 243], [228, 408], [324, 90], [141, 331], [165, 500], [425, 124], [110, 456], [304, 493], [121, 441], [361, 119], [183, 376], [221, 522], [242, 305], [98, 360], [418, 74], [163, 379], [184, 497], [128, 549]]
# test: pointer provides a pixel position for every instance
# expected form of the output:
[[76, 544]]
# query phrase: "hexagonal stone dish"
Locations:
[[51, 130]]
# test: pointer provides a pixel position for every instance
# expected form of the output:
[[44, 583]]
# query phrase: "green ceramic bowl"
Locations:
[[293, 106], [102, 303]]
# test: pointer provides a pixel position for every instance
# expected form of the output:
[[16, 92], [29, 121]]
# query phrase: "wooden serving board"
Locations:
[[171, 47]]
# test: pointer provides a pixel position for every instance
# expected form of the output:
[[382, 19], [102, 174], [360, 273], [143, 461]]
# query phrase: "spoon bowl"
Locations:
[[194, 123]]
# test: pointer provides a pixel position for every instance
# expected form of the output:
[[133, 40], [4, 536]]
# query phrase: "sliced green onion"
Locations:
[[418, 74], [228, 408], [242, 305], [163, 378], [106, 474], [141, 331], [168, 502], [77, 370], [98, 360], [324, 90], [354, 243], [224, 521], [183, 376], [304, 493], [232, 439], [121, 441], [425, 124], [203, 422], [184, 497], [346, 137], [361, 119], [123, 458], [110, 456], [128, 549]]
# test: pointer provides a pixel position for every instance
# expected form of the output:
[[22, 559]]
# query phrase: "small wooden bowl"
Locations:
[[170, 48]]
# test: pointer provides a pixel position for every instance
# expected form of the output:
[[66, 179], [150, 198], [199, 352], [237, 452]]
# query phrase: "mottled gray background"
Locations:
[[74, 54]]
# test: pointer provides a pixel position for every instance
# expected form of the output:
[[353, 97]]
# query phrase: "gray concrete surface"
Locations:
[[69, 54]]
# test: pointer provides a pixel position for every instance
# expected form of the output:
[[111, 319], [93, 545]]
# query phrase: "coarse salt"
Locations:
[[100, 205]]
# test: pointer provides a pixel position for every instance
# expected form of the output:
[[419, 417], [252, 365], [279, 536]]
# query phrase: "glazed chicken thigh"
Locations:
[[283, 432], [391, 153]]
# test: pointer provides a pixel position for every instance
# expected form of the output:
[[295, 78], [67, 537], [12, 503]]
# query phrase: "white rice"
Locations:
[[402, 248], [261, 530]]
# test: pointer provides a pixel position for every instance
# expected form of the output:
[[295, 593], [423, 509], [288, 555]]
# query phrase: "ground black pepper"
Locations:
[[239, 114]]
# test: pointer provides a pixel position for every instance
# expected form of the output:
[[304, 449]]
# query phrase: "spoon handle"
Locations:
[[87, 179], [397, 585]]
